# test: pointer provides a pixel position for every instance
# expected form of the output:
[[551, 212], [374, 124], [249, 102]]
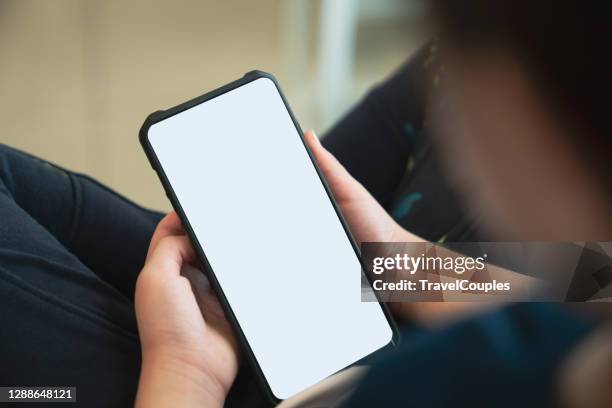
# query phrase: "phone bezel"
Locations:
[[161, 115]]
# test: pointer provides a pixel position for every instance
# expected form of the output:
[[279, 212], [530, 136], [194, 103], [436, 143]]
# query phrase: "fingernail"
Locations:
[[315, 137]]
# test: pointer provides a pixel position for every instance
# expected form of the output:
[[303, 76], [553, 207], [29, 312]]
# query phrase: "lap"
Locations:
[[63, 323]]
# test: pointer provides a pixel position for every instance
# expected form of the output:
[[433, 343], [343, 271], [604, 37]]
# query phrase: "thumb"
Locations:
[[342, 184]]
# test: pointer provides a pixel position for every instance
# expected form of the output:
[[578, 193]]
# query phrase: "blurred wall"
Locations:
[[77, 78]]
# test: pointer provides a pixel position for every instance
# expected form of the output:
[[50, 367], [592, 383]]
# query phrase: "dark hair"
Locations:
[[565, 47]]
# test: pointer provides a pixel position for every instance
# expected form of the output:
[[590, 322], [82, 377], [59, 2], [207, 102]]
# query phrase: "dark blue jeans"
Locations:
[[70, 252]]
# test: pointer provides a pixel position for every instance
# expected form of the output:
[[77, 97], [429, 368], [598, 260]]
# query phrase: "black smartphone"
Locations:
[[268, 232]]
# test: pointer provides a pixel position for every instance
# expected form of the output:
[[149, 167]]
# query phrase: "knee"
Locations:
[[5, 151]]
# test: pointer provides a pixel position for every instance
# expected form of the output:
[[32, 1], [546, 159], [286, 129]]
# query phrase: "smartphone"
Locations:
[[268, 232]]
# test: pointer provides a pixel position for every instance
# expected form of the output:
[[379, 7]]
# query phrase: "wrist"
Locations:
[[167, 380]]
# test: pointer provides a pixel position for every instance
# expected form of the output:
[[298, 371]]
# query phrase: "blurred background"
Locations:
[[78, 77]]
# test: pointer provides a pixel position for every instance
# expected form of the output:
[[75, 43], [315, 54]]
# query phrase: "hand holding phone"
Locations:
[[189, 351]]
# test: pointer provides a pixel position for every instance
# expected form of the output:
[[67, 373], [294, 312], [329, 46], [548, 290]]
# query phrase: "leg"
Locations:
[[376, 138], [107, 232], [60, 323]]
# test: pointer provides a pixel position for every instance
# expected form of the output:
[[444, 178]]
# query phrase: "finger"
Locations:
[[170, 254], [343, 185], [200, 285], [326, 161], [169, 225], [198, 279]]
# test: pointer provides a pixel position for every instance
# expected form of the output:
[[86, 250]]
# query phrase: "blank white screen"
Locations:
[[270, 233]]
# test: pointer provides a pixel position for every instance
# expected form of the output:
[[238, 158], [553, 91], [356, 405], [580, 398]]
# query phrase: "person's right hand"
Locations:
[[367, 220]]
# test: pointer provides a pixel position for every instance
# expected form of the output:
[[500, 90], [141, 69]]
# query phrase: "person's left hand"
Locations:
[[189, 352]]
